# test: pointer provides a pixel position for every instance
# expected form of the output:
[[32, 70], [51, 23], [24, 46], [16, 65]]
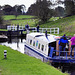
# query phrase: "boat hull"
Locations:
[[31, 52]]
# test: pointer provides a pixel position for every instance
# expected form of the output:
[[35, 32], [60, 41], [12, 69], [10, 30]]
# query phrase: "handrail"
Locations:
[[63, 51], [65, 54], [49, 30]]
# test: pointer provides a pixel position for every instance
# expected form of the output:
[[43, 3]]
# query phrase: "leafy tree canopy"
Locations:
[[42, 9]]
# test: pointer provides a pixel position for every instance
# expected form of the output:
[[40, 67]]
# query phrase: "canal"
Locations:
[[15, 43]]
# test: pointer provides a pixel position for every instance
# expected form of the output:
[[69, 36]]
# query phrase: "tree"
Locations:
[[0, 7], [19, 9], [16, 10], [59, 11], [69, 7], [7, 9], [41, 9], [23, 8], [1, 18], [32, 10]]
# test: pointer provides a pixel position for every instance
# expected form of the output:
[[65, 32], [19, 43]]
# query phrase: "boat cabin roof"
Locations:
[[42, 37]]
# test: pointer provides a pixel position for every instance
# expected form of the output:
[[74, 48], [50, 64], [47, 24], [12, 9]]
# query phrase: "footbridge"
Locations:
[[33, 29]]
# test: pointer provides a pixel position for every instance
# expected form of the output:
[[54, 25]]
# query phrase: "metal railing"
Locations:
[[63, 54], [13, 28]]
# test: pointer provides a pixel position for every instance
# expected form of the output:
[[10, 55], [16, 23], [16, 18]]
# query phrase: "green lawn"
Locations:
[[3, 30], [10, 17], [31, 22], [21, 20], [22, 64]]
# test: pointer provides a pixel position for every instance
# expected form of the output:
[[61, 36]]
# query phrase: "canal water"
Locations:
[[15, 43]]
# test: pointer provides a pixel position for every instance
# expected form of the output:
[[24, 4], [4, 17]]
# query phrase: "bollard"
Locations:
[[5, 54]]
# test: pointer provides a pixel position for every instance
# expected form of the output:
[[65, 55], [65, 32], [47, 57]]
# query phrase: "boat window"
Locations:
[[30, 41], [34, 43], [42, 48], [45, 47], [39, 46]]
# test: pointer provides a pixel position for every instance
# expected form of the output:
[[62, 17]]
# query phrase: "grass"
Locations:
[[10, 17], [22, 64], [31, 22], [66, 25], [21, 20], [3, 30]]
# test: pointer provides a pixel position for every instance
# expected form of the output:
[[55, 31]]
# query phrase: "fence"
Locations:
[[49, 30], [14, 28]]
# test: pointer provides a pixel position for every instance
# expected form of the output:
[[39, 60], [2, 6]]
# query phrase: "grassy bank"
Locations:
[[21, 20], [66, 25], [12, 17], [21, 64], [3, 30]]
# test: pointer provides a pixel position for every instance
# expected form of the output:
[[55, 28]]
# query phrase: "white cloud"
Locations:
[[27, 3]]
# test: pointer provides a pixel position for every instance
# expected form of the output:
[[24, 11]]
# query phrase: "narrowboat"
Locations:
[[45, 47]]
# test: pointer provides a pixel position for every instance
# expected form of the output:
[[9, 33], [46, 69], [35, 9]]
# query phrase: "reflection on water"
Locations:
[[15, 43]]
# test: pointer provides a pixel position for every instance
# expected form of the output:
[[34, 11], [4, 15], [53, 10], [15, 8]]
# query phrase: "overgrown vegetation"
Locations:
[[22, 64]]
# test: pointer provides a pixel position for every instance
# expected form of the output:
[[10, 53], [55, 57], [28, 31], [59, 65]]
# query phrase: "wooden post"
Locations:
[[69, 48], [57, 47]]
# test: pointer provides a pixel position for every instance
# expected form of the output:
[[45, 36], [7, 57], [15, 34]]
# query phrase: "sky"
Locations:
[[27, 3]]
